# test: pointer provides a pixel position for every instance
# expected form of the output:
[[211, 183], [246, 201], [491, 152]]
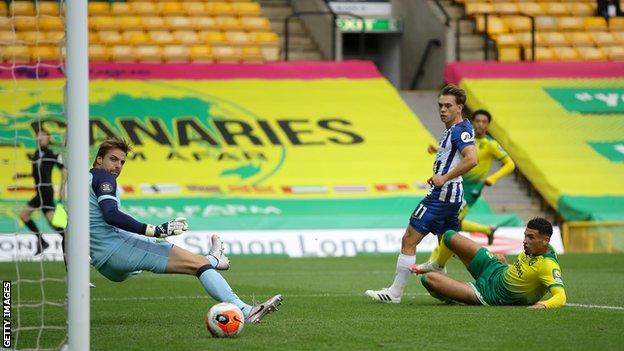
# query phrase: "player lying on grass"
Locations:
[[122, 246], [535, 272]]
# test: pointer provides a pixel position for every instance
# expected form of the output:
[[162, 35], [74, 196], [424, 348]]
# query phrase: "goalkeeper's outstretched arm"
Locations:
[[113, 216]]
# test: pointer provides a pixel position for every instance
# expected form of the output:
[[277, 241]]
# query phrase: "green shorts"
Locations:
[[488, 273], [472, 191]]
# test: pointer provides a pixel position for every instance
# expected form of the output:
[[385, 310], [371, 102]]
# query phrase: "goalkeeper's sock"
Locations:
[[473, 227], [402, 273], [216, 286]]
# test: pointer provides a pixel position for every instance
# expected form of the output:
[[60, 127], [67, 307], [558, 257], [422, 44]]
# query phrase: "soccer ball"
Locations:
[[225, 320]]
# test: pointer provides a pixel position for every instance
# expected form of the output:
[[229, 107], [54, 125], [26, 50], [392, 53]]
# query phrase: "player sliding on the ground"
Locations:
[[535, 272], [122, 246]]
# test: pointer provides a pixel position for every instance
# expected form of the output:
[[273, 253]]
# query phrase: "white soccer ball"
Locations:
[[225, 320]]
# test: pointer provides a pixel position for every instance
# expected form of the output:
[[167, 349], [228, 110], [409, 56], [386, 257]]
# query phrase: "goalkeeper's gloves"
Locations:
[[174, 227]]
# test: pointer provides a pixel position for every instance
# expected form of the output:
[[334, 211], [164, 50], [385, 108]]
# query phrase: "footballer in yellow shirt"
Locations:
[[525, 282]]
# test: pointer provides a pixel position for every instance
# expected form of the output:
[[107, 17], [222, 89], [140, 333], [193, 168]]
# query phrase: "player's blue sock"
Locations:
[[219, 289]]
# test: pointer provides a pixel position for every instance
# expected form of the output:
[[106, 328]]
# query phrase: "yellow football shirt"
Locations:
[[487, 151]]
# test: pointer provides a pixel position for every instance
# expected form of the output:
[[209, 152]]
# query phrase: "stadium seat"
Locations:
[[49, 23], [161, 37], [541, 54], [237, 38], [531, 9], [7, 37], [226, 54], [545, 23], [144, 8], [251, 54], [570, 24], [170, 8], [108, 37], [176, 53], [130, 23], [122, 53], [186, 37], [153, 23], [25, 23], [591, 54], [566, 54], [555, 9], [99, 53], [135, 37], [228, 23], [244, 9], [3, 10], [476, 8], [603, 38], [48, 8], [148, 53], [265, 38], [6, 23], [121, 9], [598, 24], [30, 37], [212, 37], [616, 24], [219, 9], [579, 39], [104, 23], [55, 37], [203, 23], [201, 53], [98, 8], [505, 7], [580, 9], [45, 53], [195, 8], [506, 39], [21, 8], [252, 24], [619, 37], [495, 25], [614, 53], [178, 23], [509, 54], [17, 53], [553, 39]]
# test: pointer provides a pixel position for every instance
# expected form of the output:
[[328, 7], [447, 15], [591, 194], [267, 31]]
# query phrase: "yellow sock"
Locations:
[[472, 227], [434, 254], [444, 253]]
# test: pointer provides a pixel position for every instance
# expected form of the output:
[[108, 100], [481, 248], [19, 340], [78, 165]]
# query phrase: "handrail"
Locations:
[[447, 17], [486, 38], [420, 71]]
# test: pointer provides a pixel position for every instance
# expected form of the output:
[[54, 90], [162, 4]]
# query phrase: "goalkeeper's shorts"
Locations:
[[137, 253]]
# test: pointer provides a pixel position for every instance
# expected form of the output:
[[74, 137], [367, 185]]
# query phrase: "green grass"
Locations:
[[324, 308]]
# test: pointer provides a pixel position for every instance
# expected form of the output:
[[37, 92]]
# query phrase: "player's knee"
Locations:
[[430, 280], [447, 237]]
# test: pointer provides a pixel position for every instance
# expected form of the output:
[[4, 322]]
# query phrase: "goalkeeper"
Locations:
[[535, 272], [122, 246]]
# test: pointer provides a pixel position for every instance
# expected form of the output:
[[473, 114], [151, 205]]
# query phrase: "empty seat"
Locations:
[[104, 23], [130, 22], [201, 53], [251, 54], [570, 23], [580, 9], [226, 54], [98, 8], [187, 37], [507, 39], [212, 37], [153, 23], [55, 37], [121, 9], [555, 9], [21, 8], [45, 53], [237, 38], [49, 23], [30, 37], [108, 37], [509, 54], [99, 53], [135, 37], [15, 53], [6, 23], [478, 8], [144, 8], [553, 39], [48, 8], [178, 23], [531, 9], [495, 25], [176, 53], [619, 37], [7, 37], [615, 53], [578, 39], [195, 8], [566, 54], [265, 38], [505, 7], [517, 23], [219, 9], [161, 37], [246, 9], [170, 8], [148, 53], [255, 24], [603, 38], [545, 23], [3, 10], [122, 53], [25, 23], [595, 24], [228, 23], [203, 23], [591, 54], [616, 24]]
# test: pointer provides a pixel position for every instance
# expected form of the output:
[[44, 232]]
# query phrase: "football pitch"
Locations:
[[325, 309]]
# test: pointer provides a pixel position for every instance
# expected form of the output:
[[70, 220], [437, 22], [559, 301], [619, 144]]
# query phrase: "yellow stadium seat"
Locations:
[[109, 37], [170, 8], [130, 23], [144, 8], [121, 9], [228, 23], [219, 9], [541, 54], [545, 23], [616, 24], [226, 54], [619, 37], [246, 9], [25, 23], [524, 38], [265, 38], [7, 37], [505, 7], [15, 53], [204, 23], [153, 23], [237, 38], [478, 8], [195, 8], [212, 37], [161, 37], [255, 24], [495, 25], [579, 39], [99, 53], [553, 39], [595, 24], [581, 9], [517, 23], [3, 10], [178, 23], [570, 24], [22, 8], [49, 8], [506, 39], [591, 54], [122, 53], [566, 54], [509, 54], [201, 53], [186, 37], [6, 23], [30, 37], [603, 38], [49, 23], [555, 9], [105, 23], [531, 9], [45, 53], [55, 37], [98, 8], [251, 54], [135, 37], [614, 53], [176, 53], [148, 53]]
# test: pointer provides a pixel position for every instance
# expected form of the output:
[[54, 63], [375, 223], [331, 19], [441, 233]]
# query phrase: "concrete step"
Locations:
[[470, 42], [475, 55], [295, 26], [467, 27], [306, 55], [276, 12]]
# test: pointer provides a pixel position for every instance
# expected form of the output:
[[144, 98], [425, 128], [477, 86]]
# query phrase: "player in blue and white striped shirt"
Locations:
[[438, 211]]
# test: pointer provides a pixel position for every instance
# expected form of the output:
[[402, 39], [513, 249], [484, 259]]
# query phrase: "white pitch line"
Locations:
[[620, 308]]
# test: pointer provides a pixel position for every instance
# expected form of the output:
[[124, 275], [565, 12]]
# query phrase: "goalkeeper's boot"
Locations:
[[259, 311], [427, 267], [42, 245], [491, 235], [384, 295], [216, 251]]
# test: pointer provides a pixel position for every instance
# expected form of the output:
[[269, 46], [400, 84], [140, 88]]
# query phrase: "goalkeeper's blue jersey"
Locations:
[[104, 238]]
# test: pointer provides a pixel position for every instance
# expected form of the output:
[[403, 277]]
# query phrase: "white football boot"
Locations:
[[383, 295], [427, 267], [216, 251], [259, 311]]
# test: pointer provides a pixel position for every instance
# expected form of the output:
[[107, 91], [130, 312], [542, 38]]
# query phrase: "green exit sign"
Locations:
[[378, 25]]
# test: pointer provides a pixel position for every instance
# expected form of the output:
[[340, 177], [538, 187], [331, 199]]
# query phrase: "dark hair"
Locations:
[[110, 144], [482, 112], [457, 92], [541, 225]]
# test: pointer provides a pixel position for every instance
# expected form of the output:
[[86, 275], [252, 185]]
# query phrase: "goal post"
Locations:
[[77, 107]]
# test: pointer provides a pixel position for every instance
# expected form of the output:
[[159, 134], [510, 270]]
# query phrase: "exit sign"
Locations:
[[379, 25]]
